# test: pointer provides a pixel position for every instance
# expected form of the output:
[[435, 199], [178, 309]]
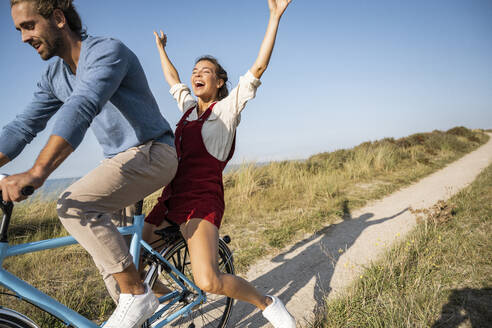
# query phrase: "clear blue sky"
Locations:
[[342, 72]]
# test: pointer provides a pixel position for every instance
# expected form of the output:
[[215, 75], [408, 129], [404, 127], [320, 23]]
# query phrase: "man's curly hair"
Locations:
[[46, 7]]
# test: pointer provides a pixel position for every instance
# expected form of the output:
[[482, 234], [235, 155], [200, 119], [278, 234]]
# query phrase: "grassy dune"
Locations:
[[267, 207], [272, 205], [440, 276]]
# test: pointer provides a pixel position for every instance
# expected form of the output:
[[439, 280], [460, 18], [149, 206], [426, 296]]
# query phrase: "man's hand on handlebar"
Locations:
[[13, 187]]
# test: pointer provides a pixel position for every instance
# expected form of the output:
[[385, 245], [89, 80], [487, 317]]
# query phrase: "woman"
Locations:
[[205, 138]]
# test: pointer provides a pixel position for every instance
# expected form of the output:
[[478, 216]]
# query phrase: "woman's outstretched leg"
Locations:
[[202, 238]]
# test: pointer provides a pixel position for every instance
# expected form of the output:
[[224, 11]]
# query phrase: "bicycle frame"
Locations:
[[23, 290]]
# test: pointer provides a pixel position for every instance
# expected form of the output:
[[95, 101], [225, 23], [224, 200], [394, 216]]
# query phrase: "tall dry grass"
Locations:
[[275, 204], [267, 207]]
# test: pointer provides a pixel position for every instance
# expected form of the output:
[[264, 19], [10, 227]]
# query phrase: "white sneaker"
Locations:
[[277, 314], [133, 310]]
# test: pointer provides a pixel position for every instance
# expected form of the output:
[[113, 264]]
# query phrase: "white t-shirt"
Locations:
[[219, 129]]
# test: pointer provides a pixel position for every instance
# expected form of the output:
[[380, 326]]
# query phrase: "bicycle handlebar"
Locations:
[[26, 191], [7, 208]]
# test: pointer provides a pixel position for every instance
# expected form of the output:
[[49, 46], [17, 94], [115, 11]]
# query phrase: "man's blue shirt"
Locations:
[[109, 92]]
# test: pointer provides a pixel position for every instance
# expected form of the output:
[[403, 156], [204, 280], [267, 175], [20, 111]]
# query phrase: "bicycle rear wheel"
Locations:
[[215, 311]]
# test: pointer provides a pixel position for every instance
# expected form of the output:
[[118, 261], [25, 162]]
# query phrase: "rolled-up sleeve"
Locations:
[[231, 106], [100, 74], [183, 97], [24, 128]]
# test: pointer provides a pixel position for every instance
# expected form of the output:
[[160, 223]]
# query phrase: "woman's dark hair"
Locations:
[[220, 72], [46, 7]]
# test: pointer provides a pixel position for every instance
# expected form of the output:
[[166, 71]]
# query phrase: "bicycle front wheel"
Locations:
[[12, 319], [215, 311]]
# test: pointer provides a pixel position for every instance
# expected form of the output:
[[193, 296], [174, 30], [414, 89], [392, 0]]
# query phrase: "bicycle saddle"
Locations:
[[168, 231]]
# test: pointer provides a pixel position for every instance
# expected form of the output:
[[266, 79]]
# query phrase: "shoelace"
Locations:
[[120, 315]]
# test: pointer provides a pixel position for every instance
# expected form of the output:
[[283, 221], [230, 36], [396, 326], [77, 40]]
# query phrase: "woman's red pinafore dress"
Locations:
[[197, 190]]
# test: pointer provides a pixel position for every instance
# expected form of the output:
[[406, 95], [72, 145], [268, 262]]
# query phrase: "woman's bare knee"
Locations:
[[209, 282]]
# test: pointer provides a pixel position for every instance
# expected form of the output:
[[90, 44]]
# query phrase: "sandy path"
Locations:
[[327, 262]]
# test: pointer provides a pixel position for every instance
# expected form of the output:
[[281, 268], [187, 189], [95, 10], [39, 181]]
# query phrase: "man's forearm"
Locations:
[[53, 154]]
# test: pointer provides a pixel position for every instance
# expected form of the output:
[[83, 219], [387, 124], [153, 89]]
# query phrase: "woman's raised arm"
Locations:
[[277, 8], [170, 72]]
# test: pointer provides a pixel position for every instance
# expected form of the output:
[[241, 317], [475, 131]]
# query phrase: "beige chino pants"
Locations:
[[87, 207]]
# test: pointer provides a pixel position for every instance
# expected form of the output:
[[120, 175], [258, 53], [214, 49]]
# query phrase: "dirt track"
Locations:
[[323, 264]]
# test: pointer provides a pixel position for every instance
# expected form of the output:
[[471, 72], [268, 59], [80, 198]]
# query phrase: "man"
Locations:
[[96, 82]]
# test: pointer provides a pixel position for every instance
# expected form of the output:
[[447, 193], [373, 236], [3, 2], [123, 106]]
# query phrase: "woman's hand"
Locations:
[[277, 7], [170, 73], [160, 40]]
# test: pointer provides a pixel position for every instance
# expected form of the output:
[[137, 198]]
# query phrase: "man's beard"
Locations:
[[52, 44]]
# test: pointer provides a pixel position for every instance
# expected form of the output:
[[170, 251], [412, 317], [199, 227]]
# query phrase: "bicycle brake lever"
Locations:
[[26, 191]]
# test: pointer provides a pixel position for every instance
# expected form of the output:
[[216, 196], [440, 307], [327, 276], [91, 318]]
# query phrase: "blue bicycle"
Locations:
[[183, 305]]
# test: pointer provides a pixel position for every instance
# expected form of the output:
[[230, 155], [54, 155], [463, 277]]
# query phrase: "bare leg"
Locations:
[[202, 238], [129, 281]]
